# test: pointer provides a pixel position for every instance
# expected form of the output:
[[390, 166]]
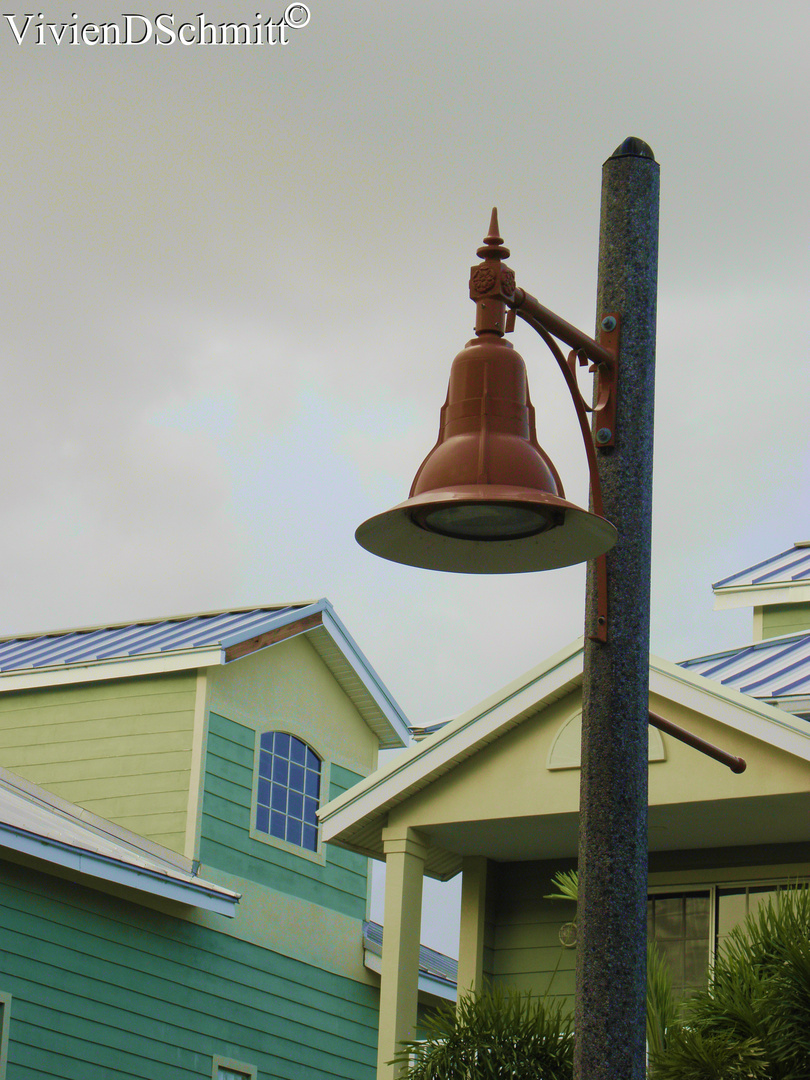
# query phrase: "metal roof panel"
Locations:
[[137, 638], [773, 570], [773, 668]]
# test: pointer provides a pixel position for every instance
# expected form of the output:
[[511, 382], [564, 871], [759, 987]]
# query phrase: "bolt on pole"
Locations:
[[611, 915]]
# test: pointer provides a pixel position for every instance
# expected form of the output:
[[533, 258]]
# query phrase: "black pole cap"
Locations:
[[633, 147]]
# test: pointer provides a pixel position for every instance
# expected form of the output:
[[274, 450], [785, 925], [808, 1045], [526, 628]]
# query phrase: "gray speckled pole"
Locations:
[[612, 925]]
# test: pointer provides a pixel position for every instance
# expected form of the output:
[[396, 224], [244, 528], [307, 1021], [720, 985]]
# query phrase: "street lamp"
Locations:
[[487, 499]]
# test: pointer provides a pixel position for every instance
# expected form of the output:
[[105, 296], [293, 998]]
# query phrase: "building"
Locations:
[[494, 795], [168, 909]]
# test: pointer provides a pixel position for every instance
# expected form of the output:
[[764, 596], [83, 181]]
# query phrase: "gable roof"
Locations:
[[202, 640], [36, 823], [357, 817], [787, 566], [781, 579], [776, 668], [438, 973]]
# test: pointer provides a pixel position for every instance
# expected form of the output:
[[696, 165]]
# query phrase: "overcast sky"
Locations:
[[234, 278]]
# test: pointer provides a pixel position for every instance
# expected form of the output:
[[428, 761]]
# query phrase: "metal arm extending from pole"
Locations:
[[736, 764]]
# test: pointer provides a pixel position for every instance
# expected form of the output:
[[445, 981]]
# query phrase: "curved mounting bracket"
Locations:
[[493, 288], [603, 357]]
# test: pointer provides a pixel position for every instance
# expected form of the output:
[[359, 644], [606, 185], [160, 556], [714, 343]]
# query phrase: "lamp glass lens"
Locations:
[[487, 521]]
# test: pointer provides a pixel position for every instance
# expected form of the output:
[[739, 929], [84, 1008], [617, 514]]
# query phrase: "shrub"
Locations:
[[497, 1033], [754, 1019]]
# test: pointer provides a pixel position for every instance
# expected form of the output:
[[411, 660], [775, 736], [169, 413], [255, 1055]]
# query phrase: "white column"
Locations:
[[405, 851], [473, 920]]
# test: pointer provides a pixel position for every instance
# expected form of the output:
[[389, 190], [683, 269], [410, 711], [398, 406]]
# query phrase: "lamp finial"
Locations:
[[493, 242]]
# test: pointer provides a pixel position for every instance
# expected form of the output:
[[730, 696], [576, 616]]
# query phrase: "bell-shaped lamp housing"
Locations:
[[487, 499]]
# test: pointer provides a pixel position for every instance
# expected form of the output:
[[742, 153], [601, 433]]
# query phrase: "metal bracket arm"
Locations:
[[605, 362], [736, 764]]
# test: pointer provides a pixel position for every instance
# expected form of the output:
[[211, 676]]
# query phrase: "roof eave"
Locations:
[[114, 668], [427, 759], [354, 818], [197, 894]]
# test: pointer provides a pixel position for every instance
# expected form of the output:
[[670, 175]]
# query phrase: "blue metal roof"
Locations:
[[774, 668], [147, 638], [431, 962], [789, 566]]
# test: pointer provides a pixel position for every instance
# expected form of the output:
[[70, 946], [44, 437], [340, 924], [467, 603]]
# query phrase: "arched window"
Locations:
[[289, 789]]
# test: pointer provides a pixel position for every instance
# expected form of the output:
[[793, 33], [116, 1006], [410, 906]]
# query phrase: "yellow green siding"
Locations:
[[778, 619], [524, 934], [121, 749]]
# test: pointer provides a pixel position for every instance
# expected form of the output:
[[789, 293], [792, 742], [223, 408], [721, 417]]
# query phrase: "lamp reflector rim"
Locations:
[[400, 534]]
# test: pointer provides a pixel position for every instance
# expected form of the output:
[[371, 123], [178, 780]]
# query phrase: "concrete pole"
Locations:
[[611, 913]]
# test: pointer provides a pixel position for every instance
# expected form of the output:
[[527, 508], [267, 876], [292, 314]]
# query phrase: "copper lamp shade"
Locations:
[[487, 499]]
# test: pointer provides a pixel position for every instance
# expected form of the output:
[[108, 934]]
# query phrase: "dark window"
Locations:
[[679, 926], [289, 789]]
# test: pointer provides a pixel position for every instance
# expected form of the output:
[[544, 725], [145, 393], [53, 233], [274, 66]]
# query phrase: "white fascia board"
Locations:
[[428, 984], [196, 894], [730, 707], [366, 673], [455, 741], [777, 592], [799, 704], [115, 668], [273, 622], [354, 657]]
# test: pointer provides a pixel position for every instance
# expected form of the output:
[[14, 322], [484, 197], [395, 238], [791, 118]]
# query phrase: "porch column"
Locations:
[[405, 851], [473, 919]]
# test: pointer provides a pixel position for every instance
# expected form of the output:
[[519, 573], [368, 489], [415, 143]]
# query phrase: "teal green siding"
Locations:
[[106, 989], [340, 884]]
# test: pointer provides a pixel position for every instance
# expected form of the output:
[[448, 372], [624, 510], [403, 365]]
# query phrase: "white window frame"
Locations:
[[250, 1072], [5, 1022], [318, 856]]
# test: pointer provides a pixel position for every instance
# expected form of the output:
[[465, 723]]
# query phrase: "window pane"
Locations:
[[281, 805], [310, 838], [311, 811], [696, 916], [295, 804], [669, 918], [298, 751], [679, 926], [696, 963], [672, 952], [265, 763], [278, 823], [732, 908], [759, 897], [297, 777], [281, 770]]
